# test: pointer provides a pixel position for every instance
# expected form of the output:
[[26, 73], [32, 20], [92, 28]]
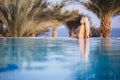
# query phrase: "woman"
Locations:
[[84, 28]]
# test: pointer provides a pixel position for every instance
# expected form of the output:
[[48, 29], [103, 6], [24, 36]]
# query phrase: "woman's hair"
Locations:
[[87, 23]]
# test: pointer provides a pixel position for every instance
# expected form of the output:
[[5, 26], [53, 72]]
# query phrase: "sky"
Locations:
[[95, 20]]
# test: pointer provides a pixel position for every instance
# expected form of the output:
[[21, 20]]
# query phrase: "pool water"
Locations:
[[59, 59]]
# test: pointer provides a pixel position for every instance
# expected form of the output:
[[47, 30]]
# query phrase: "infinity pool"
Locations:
[[59, 59]]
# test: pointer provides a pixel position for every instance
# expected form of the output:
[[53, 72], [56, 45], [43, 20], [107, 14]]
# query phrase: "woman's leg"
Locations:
[[81, 32]]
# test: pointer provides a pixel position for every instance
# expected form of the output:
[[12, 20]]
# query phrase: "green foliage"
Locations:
[[105, 10], [94, 32], [18, 16], [24, 18], [103, 7], [74, 23]]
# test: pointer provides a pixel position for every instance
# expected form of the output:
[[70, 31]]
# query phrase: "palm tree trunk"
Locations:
[[105, 27], [33, 35], [1, 29], [71, 33], [1, 26], [54, 32]]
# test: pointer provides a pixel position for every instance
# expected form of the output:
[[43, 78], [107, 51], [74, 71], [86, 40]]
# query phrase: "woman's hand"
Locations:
[[86, 19]]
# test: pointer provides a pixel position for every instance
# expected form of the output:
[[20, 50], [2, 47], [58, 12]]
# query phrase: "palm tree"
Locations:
[[105, 10], [59, 17], [94, 32], [15, 14], [73, 24], [30, 17], [1, 29]]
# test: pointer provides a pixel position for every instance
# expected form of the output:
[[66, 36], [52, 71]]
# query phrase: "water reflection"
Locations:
[[84, 48], [59, 59], [103, 62], [30, 54], [20, 52], [105, 45]]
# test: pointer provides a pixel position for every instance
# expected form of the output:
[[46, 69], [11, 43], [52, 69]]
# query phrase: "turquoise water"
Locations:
[[59, 59]]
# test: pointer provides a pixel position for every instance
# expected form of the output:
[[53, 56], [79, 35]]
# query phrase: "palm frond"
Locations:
[[103, 7]]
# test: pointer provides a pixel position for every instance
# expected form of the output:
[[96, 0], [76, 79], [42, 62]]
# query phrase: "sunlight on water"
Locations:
[[59, 59]]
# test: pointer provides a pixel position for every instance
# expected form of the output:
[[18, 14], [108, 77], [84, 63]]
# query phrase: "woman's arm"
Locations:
[[87, 26]]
